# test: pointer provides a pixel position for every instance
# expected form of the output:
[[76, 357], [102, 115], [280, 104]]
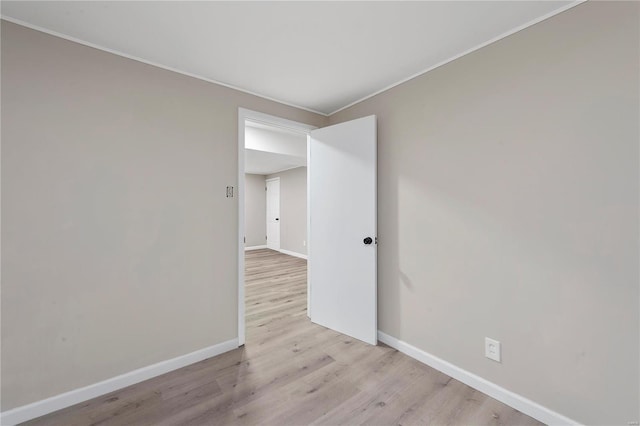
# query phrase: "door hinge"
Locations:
[[245, 239]]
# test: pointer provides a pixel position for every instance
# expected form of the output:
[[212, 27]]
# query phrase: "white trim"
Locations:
[[272, 120], [254, 248], [466, 52], [67, 399], [308, 225], [244, 115], [520, 403], [241, 229], [293, 253], [155, 64]]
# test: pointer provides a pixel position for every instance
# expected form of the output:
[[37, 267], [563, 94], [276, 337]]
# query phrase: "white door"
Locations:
[[273, 213], [342, 229]]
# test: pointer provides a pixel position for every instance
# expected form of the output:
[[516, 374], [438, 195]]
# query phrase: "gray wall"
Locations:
[[118, 244], [508, 208], [293, 209], [255, 210]]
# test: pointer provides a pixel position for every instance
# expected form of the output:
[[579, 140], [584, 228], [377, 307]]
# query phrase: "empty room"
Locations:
[[331, 213]]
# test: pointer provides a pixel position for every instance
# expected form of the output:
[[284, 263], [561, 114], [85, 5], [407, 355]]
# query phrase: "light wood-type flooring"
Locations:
[[293, 372]]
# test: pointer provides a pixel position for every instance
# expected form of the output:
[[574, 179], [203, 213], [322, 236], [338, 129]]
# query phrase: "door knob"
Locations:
[[367, 240], [277, 218]]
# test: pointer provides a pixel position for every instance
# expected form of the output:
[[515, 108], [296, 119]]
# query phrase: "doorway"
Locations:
[[343, 233], [259, 120], [273, 213]]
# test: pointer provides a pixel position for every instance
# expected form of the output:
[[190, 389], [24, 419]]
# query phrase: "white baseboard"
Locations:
[[293, 253], [67, 399], [503, 395], [254, 248]]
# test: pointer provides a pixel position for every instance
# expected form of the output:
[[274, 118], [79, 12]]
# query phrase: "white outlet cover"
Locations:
[[492, 349]]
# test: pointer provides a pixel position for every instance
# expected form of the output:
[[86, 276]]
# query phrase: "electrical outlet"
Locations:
[[492, 349], [304, 243]]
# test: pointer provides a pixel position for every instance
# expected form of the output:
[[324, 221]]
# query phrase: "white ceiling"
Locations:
[[266, 163], [270, 149], [321, 56]]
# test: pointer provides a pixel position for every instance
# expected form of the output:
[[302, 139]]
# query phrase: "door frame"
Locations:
[[275, 179], [271, 120]]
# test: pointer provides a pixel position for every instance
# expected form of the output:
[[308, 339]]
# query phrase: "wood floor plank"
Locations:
[[293, 372]]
